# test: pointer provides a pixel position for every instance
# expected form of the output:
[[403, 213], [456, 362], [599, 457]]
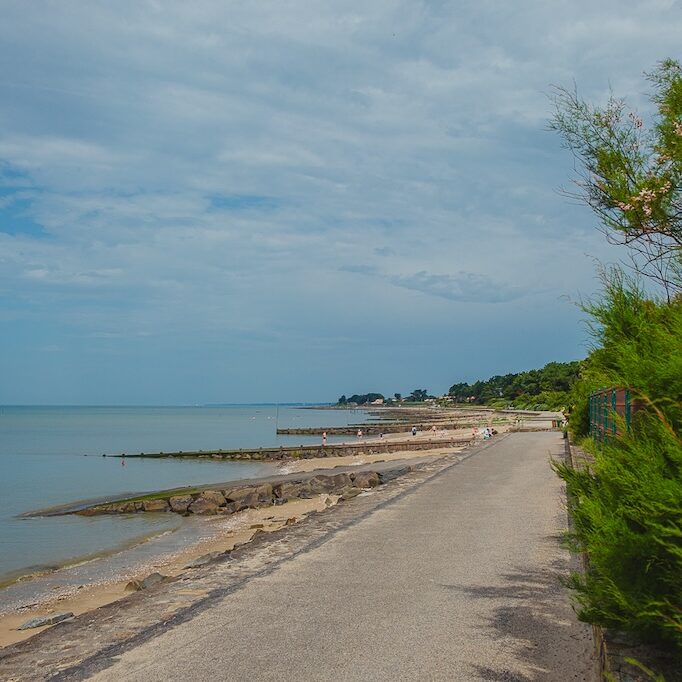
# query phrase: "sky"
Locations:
[[290, 200]]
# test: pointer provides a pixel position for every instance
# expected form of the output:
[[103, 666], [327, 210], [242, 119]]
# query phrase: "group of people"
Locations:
[[486, 433]]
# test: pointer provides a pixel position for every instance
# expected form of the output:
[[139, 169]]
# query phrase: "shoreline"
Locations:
[[440, 439], [220, 534]]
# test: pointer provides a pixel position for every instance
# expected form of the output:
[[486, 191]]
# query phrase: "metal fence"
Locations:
[[609, 409]]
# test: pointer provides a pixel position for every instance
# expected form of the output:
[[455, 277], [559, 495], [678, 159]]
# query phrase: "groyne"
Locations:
[[376, 429], [373, 447]]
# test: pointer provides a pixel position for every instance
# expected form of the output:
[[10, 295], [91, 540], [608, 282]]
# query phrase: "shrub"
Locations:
[[627, 513], [627, 507]]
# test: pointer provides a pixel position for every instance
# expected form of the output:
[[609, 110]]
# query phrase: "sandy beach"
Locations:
[[225, 535], [219, 535]]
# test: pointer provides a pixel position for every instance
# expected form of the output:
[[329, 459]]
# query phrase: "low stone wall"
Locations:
[[237, 498]]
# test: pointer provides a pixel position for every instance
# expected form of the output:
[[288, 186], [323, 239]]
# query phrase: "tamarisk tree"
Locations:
[[630, 173]]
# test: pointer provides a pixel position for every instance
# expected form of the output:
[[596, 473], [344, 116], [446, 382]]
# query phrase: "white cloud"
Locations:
[[373, 151]]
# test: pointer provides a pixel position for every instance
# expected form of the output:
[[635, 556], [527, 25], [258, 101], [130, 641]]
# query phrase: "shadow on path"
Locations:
[[536, 626]]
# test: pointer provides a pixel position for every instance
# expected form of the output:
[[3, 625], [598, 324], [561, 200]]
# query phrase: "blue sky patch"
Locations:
[[243, 202], [15, 218]]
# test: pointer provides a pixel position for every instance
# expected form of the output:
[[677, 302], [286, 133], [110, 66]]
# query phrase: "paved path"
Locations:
[[456, 580]]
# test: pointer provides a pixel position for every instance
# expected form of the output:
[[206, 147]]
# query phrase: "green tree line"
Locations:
[[548, 388], [419, 395]]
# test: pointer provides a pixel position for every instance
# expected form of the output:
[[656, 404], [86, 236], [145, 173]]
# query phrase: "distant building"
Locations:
[[378, 401]]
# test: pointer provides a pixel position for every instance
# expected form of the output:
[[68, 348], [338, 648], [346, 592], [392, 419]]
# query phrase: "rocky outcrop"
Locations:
[[238, 498]]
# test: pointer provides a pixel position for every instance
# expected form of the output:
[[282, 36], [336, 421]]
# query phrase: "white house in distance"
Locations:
[[378, 401]]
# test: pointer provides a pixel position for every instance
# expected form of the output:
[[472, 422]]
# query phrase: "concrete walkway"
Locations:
[[456, 580]]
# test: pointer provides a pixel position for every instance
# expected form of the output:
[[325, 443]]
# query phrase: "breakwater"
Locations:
[[274, 490], [376, 429], [373, 447]]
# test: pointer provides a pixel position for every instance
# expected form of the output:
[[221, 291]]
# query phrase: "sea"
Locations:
[[53, 455]]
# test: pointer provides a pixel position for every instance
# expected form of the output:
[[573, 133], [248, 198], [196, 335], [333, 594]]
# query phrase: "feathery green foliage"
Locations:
[[630, 173], [627, 507]]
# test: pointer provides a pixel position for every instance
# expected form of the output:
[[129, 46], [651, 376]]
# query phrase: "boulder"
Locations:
[[45, 620], [180, 503], [214, 496], [264, 493], [237, 494], [366, 479], [154, 505], [305, 492], [249, 497], [348, 493], [340, 481], [321, 484], [287, 490], [203, 506], [249, 501]]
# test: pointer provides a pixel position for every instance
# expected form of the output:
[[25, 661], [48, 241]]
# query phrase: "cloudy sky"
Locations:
[[267, 201]]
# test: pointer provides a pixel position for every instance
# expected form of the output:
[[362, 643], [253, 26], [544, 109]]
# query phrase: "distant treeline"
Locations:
[[537, 389], [419, 395], [548, 388], [360, 399]]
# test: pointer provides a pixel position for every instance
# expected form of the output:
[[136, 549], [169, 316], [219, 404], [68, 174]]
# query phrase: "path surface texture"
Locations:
[[456, 578]]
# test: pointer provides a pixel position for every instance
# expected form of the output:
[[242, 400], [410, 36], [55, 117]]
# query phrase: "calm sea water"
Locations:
[[52, 455]]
